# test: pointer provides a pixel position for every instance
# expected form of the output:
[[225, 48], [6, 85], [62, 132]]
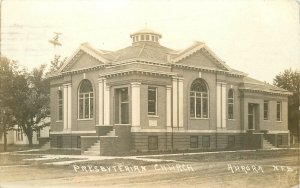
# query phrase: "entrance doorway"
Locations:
[[253, 116], [121, 106]]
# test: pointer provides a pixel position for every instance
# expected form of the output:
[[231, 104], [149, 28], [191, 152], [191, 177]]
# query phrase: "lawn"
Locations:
[[13, 147]]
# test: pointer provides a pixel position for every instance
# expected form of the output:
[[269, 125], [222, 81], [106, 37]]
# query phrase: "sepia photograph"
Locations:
[[149, 93]]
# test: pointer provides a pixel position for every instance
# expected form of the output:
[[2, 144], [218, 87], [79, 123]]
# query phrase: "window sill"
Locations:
[[59, 121], [152, 116], [280, 121], [231, 119], [266, 120], [199, 118], [122, 124], [85, 119]]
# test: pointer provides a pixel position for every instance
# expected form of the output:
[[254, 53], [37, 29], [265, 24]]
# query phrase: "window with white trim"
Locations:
[[199, 99], [85, 100], [230, 103], [152, 101], [278, 111], [59, 105]]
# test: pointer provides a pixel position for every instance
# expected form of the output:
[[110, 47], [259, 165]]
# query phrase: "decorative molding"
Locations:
[[138, 71], [71, 132], [177, 130], [265, 91]]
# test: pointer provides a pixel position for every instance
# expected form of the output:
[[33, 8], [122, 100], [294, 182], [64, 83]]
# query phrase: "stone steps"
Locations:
[[267, 144], [94, 150], [111, 133]]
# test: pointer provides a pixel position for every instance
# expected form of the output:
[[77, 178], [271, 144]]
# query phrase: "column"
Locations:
[[175, 102], [69, 106], [219, 105], [180, 102], [65, 100], [135, 103], [106, 102], [168, 105], [224, 105], [100, 104]]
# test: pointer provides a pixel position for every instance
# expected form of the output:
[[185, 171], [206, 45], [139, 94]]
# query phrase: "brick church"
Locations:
[[148, 97]]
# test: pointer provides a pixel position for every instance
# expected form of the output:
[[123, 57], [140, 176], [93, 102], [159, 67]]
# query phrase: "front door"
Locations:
[[251, 116], [121, 106]]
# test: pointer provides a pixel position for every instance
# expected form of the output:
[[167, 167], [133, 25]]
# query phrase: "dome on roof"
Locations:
[[146, 31], [145, 35]]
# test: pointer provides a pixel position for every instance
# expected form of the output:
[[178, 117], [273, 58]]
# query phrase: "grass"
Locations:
[[119, 162], [246, 155], [56, 152], [11, 148]]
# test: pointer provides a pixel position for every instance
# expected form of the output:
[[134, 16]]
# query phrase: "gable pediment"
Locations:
[[82, 61], [199, 59], [199, 55], [84, 57]]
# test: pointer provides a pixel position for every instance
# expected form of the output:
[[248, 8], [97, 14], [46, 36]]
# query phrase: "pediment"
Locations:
[[82, 61], [199, 59], [201, 56], [84, 57]]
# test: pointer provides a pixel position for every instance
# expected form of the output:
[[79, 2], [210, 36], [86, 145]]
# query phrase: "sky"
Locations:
[[258, 37]]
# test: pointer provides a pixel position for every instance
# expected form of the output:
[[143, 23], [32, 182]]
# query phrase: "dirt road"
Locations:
[[272, 172]]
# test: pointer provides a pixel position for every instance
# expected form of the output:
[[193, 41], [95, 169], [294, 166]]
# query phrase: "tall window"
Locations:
[[278, 111], [266, 110], [19, 134], [230, 103], [152, 101], [60, 105], [199, 99], [86, 98]]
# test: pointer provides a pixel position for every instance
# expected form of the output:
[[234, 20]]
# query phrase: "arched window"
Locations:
[[59, 105], [230, 103], [199, 99], [85, 100]]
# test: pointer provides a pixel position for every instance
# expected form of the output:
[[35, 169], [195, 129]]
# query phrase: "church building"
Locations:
[[148, 97]]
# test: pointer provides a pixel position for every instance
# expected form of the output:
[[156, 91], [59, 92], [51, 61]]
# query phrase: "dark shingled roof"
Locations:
[[259, 85], [145, 50]]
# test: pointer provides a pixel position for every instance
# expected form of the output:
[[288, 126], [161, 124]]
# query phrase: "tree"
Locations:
[[31, 100], [56, 63], [7, 74], [290, 80]]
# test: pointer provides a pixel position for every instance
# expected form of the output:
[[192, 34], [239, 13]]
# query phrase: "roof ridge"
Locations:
[[142, 49]]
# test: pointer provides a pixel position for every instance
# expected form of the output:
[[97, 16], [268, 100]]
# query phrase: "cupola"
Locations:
[[145, 35]]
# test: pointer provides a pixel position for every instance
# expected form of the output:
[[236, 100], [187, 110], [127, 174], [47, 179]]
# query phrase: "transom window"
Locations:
[[59, 105], [230, 103], [199, 99], [86, 100]]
